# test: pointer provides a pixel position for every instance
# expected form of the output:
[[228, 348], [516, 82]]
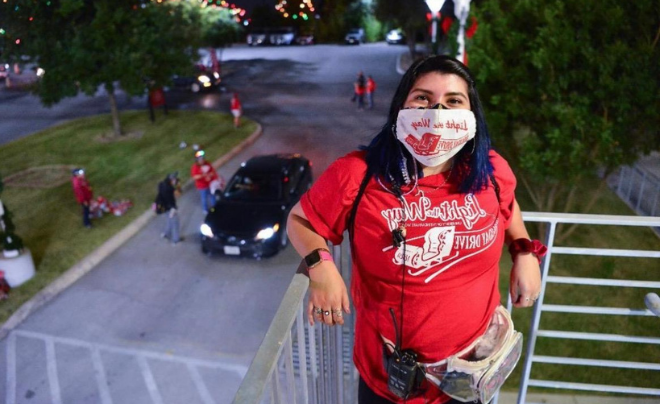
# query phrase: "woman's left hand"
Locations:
[[525, 284]]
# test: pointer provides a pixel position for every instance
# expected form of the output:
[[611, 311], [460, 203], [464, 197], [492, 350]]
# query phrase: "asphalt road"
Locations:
[[156, 323]]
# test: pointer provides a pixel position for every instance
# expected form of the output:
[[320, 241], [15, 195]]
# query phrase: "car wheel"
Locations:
[[195, 87], [206, 250]]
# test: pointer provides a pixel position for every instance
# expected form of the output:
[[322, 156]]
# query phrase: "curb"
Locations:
[[71, 275]]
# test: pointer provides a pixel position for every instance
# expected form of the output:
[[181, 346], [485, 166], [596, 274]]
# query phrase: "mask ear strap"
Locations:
[[402, 160]]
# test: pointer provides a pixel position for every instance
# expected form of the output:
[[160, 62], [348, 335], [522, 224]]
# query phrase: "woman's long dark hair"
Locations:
[[386, 155]]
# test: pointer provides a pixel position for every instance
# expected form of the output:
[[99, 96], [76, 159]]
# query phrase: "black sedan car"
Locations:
[[249, 218]]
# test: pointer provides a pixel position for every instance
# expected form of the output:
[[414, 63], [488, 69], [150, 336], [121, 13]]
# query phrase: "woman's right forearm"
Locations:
[[302, 235]]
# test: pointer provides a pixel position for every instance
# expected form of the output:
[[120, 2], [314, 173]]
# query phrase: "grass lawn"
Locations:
[[619, 237], [50, 221]]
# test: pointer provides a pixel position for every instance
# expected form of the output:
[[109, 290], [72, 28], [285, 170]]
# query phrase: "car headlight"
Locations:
[[206, 230], [203, 79], [268, 232]]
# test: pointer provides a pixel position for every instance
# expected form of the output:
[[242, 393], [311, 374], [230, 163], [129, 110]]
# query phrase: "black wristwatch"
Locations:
[[316, 257]]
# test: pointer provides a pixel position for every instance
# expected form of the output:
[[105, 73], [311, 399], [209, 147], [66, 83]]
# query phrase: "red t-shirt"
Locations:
[[371, 86], [235, 104], [453, 246], [204, 168], [81, 189]]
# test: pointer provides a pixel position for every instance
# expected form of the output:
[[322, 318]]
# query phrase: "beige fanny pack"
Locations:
[[478, 371]]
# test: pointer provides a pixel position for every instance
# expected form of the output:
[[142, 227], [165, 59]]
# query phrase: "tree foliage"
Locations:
[[219, 28], [410, 18], [337, 17], [570, 89], [86, 44]]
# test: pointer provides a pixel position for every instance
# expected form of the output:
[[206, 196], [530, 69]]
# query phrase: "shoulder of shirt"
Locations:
[[353, 161], [347, 171], [501, 168], [497, 160]]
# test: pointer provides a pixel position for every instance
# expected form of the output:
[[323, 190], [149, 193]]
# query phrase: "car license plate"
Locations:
[[232, 250]]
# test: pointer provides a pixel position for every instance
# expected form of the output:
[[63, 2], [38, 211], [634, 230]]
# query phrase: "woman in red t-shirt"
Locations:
[[436, 204]]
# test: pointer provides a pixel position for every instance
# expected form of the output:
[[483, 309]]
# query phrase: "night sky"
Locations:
[[250, 4]]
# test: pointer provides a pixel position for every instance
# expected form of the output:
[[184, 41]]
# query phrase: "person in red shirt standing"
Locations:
[[428, 205], [203, 173], [83, 193], [371, 87], [236, 109]]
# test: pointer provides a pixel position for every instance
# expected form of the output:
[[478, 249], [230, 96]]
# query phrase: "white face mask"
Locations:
[[433, 136]]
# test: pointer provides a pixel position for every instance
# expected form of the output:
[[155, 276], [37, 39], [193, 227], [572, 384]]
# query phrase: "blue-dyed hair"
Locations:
[[472, 170]]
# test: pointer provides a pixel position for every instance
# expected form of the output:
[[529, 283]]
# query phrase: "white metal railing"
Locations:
[[553, 220], [639, 188], [297, 363]]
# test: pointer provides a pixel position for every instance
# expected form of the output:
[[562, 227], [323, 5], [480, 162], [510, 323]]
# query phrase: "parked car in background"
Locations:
[[305, 39], [250, 216], [282, 36], [272, 36], [395, 37], [258, 37], [199, 79], [355, 36]]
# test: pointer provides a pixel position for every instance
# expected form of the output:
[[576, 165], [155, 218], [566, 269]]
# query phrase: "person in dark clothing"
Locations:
[[168, 190], [359, 88]]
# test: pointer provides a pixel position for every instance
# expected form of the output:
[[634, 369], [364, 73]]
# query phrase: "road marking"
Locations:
[[201, 387], [101, 379], [10, 394], [149, 380], [96, 350], [51, 365], [241, 370]]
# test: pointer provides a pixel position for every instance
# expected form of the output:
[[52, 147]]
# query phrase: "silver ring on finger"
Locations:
[[326, 313], [337, 312], [318, 310]]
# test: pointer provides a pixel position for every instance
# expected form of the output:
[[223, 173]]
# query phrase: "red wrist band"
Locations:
[[523, 245]]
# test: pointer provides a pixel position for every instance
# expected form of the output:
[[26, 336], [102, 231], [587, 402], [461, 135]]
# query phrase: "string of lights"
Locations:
[[238, 13], [304, 10]]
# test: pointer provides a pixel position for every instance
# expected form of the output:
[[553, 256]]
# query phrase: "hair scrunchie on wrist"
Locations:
[[524, 245]]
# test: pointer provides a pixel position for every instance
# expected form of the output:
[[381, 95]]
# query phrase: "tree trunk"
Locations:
[[116, 124]]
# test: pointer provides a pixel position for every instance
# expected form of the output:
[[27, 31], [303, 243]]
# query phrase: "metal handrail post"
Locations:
[[302, 356], [313, 362], [641, 190], [536, 315]]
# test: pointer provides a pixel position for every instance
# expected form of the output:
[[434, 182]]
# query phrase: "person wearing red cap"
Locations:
[[83, 193], [203, 173]]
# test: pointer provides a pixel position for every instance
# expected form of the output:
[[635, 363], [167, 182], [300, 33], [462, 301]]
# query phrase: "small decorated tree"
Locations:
[[10, 242]]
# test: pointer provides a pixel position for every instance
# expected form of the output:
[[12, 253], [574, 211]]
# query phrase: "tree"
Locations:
[[410, 18], [570, 90], [337, 17], [86, 44], [219, 27]]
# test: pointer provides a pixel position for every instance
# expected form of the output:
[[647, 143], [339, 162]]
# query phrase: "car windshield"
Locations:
[[258, 187]]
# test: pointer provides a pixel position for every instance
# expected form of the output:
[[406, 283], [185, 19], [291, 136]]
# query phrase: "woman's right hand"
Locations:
[[328, 297]]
